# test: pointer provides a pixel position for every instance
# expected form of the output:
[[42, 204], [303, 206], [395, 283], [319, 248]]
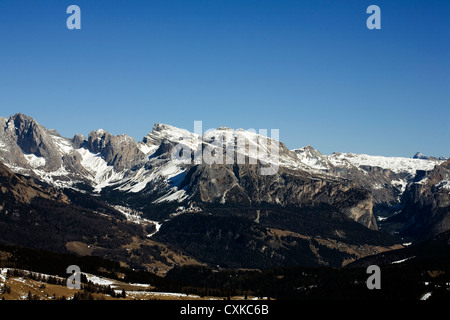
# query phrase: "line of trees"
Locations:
[[88, 288]]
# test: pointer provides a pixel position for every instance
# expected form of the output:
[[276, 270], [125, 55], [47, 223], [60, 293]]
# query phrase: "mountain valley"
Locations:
[[135, 203]]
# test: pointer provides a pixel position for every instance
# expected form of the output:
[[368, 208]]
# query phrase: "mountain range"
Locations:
[[137, 203]]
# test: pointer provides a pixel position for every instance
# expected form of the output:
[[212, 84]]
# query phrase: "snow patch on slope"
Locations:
[[177, 195], [167, 172], [444, 184], [312, 158], [400, 184], [34, 161], [395, 164], [64, 145], [102, 175], [54, 177], [146, 149]]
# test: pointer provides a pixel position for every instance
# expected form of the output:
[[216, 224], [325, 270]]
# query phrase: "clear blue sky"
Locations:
[[309, 68]]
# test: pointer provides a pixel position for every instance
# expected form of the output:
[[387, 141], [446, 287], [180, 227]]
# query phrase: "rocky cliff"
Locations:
[[426, 203], [223, 166]]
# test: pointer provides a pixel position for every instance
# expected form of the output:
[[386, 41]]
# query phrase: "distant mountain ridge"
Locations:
[[385, 177], [103, 160], [419, 155], [315, 208], [145, 174]]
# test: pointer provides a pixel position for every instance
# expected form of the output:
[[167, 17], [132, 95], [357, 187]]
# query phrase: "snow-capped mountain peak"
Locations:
[[420, 155], [162, 132], [105, 160], [313, 158]]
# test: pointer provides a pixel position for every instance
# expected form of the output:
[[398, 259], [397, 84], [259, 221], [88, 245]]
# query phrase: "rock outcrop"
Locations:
[[121, 152], [426, 204], [223, 166], [243, 185]]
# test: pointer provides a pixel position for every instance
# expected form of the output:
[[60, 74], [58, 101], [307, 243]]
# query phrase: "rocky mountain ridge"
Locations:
[[426, 204], [356, 184], [206, 195], [385, 177]]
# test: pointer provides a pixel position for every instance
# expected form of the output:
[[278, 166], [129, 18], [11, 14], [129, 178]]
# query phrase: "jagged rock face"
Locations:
[[385, 178], [243, 185], [31, 149], [352, 183], [427, 203], [79, 141], [30, 136], [10, 152], [121, 151], [362, 212], [25, 134], [385, 185]]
